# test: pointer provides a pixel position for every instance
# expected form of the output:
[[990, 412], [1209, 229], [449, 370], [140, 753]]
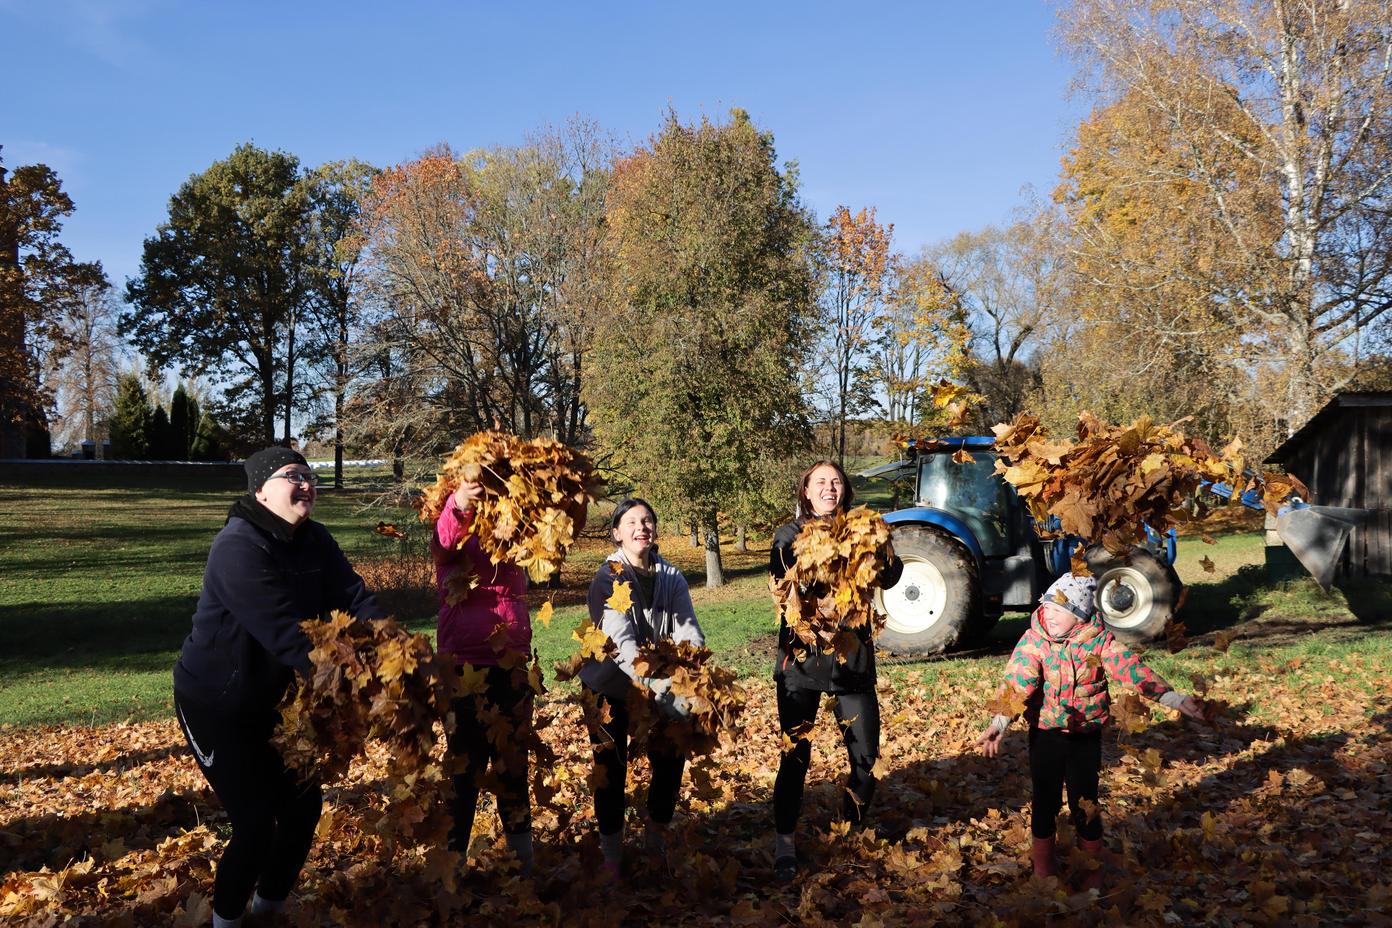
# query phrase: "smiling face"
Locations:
[[635, 533], [1057, 620], [824, 490], [288, 499]]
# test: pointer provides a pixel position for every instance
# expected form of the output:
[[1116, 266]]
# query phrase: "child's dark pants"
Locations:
[[1058, 758]]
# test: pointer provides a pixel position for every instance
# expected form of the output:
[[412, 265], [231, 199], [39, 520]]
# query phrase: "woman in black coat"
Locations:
[[802, 676], [270, 568]]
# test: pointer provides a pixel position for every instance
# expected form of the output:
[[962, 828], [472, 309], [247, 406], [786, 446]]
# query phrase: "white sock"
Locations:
[[260, 905], [783, 846], [220, 922], [521, 845], [612, 847]]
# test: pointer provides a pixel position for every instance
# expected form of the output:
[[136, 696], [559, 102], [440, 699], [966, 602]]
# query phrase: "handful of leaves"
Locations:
[[1114, 481], [828, 594], [536, 493], [713, 697], [372, 680]]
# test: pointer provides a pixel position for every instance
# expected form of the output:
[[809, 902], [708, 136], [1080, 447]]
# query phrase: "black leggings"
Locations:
[[610, 740], [492, 726], [273, 815], [1058, 758], [858, 717]]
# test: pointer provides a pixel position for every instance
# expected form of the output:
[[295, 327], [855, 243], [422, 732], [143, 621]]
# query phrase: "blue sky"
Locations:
[[936, 113]]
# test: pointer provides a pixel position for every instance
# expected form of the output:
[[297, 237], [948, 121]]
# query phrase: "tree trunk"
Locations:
[[741, 542], [695, 535], [289, 379], [340, 393], [715, 573]]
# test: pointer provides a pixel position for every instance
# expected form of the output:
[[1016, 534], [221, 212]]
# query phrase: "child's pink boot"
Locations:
[[1042, 855], [1093, 878]]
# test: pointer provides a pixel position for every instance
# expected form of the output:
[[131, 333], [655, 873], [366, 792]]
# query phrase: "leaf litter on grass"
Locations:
[[1232, 822]]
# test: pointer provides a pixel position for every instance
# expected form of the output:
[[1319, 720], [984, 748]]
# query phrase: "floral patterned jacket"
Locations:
[[1064, 680]]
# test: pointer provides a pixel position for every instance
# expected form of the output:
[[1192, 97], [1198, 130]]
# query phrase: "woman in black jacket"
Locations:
[[270, 568], [802, 676]]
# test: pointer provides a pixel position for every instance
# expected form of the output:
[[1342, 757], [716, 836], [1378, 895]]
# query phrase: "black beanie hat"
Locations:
[[267, 461]]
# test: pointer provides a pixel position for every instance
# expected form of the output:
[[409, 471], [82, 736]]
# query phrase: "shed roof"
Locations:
[[1326, 415]]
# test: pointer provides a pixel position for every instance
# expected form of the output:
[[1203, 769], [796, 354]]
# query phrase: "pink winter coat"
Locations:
[[466, 630]]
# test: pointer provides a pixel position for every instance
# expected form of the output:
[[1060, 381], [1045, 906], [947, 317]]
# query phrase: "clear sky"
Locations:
[[937, 113]]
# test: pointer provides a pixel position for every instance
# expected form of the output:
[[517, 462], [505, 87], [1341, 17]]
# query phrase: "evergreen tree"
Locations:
[[130, 422], [160, 437], [182, 421], [207, 441]]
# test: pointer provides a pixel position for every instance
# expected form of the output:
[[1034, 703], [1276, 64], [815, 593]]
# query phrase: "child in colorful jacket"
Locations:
[[1061, 666]]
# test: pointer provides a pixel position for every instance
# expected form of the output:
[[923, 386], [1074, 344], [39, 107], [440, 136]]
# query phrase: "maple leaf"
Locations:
[[472, 680], [1175, 638], [945, 392], [621, 600], [962, 456], [1224, 639], [1077, 562], [1009, 701], [1207, 564], [1130, 713], [594, 643], [389, 530], [544, 614]]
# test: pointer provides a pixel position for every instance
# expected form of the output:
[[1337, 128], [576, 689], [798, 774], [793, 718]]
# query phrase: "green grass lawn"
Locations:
[[98, 584]]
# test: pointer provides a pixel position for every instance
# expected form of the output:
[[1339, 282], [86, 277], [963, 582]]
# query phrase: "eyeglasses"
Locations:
[[297, 478]]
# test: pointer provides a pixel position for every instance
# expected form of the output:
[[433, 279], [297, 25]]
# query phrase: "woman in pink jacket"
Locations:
[[488, 630]]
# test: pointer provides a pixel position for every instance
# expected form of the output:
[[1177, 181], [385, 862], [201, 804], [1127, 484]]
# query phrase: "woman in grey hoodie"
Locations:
[[661, 609]]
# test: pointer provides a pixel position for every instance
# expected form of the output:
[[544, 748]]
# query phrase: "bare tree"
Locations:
[[84, 380], [1008, 282]]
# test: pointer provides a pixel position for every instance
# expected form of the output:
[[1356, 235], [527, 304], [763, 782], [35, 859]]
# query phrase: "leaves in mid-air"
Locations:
[[535, 496], [828, 594]]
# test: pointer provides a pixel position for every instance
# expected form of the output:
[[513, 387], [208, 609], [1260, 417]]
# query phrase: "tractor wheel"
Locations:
[[1137, 596], [931, 607]]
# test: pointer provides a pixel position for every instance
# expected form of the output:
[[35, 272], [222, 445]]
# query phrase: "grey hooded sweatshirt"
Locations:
[[669, 615]]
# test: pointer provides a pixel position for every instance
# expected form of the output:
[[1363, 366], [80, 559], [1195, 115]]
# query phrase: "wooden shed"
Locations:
[[1344, 455]]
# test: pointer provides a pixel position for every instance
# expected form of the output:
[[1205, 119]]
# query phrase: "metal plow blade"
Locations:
[[1316, 535]]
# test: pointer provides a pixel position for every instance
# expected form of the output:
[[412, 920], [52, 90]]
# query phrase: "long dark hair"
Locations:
[[804, 505]]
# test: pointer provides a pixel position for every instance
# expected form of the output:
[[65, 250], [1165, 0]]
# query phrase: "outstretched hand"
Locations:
[[1192, 708], [990, 741]]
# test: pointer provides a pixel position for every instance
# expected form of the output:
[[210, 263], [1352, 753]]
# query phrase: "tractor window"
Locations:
[[973, 493]]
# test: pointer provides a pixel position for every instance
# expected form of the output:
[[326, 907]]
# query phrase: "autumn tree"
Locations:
[[1257, 134], [693, 377], [855, 264], [920, 337], [223, 284], [486, 269], [84, 381], [40, 284]]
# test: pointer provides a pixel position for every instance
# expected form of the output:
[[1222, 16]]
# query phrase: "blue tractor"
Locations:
[[971, 552]]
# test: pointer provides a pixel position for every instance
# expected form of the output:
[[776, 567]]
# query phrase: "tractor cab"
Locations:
[[971, 551]]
